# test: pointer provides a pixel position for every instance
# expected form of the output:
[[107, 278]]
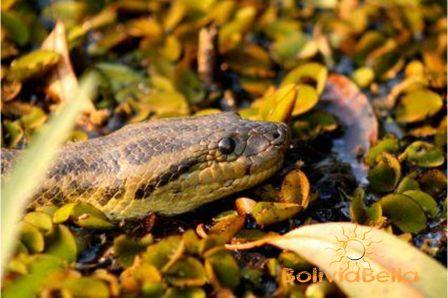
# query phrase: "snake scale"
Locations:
[[166, 166]]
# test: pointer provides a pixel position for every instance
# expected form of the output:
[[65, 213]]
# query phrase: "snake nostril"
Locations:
[[278, 136]]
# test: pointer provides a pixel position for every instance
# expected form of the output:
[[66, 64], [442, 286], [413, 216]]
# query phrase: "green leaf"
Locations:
[[126, 249], [32, 238], [87, 287], [388, 144], [433, 182], [84, 215], [266, 213], [32, 64], [362, 214], [186, 272], [13, 133], [15, 27], [384, 176], [34, 119], [404, 212], [424, 155], [428, 204], [165, 252], [221, 267], [418, 105], [407, 183], [324, 244], [40, 220], [307, 99], [301, 74], [278, 106], [363, 76], [61, 243], [29, 285]]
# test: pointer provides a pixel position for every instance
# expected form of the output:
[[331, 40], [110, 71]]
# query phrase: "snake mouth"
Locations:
[[213, 182]]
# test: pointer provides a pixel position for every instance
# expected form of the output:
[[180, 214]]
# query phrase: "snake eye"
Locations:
[[226, 145]]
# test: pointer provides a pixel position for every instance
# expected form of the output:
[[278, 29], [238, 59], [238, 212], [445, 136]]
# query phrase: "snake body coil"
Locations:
[[167, 166]]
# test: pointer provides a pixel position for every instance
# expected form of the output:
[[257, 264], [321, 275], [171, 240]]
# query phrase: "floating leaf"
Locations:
[[186, 272], [86, 287], [165, 104], [428, 204], [126, 249], [34, 119], [227, 226], [142, 277], [286, 49], [407, 183], [307, 98], [187, 293], [42, 266], [315, 72], [188, 83], [231, 34], [278, 105], [433, 182], [319, 244], [418, 105], [362, 214], [266, 213], [222, 268], [15, 27], [32, 238], [61, 243], [252, 60], [404, 212], [40, 220], [363, 76], [164, 253], [384, 176], [32, 64], [84, 215], [424, 155], [14, 133], [388, 144]]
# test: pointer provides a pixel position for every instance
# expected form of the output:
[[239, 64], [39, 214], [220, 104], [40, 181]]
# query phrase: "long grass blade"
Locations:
[[29, 172]]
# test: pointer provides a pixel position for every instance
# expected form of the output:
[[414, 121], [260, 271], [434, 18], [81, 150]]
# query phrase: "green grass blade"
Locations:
[[29, 171]]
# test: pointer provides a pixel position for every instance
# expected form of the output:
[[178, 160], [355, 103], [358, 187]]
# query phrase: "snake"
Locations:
[[166, 166]]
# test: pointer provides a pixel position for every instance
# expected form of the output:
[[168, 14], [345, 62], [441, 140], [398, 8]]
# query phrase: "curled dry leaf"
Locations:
[[384, 253], [63, 83], [296, 189], [354, 111], [244, 205]]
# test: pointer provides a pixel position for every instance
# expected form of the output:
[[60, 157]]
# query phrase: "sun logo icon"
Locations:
[[354, 249]]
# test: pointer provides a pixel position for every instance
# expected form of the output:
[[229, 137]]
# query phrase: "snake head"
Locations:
[[258, 145], [222, 154]]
